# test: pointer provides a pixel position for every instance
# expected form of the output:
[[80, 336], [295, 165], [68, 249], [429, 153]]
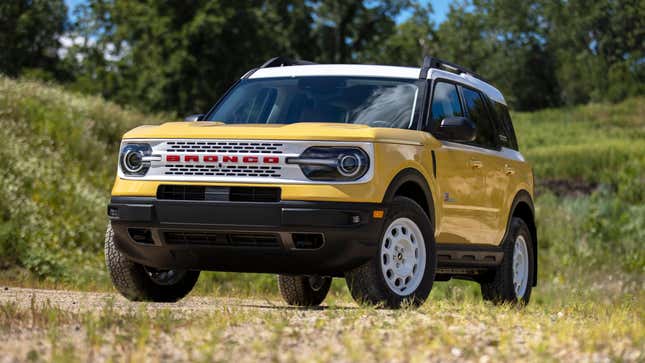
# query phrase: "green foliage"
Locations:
[[598, 47], [29, 32], [181, 56], [56, 165], [597, 144]]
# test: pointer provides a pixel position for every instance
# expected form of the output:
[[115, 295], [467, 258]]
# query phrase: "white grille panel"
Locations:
[[230, 170], [232, 147], [234, 161]]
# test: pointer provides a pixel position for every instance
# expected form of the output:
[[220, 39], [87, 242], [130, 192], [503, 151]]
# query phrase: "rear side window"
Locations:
[[506, 131], [479, 114], [445, 103]]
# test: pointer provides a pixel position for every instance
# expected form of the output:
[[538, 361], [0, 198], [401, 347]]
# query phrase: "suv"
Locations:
[[392, 177]]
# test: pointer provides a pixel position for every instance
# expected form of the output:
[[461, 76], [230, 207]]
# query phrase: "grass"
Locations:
[[438, 331], [57, 164]]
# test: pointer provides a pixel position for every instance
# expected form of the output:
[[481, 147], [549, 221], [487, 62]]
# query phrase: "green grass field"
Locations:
[[58, 160]]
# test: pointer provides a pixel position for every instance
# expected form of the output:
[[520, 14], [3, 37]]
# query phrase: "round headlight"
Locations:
[[133, 161], [332, 163], [349, 165]]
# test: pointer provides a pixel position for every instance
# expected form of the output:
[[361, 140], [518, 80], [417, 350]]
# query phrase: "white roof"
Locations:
[[338, 70], [359, 70]]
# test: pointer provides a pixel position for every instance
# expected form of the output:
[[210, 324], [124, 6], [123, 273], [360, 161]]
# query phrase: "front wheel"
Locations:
[[403, 269], [140, 283]]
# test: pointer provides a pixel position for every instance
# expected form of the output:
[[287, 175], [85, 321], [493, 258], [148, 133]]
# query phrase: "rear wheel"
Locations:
[[303, 290], [512, 281], [404, 267], [140, 283]]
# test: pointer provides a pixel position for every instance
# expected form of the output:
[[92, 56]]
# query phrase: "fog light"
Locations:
[[113, 212]]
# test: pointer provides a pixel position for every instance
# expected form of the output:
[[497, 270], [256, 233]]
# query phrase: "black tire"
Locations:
[[303, 290], [367, 282], [499, 287], [135, 282]]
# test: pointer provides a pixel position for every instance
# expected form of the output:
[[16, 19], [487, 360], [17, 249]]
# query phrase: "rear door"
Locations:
[[491, 198], [509, 166]]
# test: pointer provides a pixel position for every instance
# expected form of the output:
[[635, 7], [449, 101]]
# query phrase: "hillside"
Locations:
[[58, 159]]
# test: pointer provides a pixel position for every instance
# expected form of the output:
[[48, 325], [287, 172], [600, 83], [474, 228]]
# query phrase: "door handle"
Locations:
[[508, 170], [476, 164]]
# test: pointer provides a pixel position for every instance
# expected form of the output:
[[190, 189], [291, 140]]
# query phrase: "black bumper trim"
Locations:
[[349, 232]]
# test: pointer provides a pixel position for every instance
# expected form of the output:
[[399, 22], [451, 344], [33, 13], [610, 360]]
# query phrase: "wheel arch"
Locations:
[[411, 183], [524, 209]]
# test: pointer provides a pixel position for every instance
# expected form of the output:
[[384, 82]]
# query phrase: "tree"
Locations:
[[182, 55], [345, 29], [599, 47], [502, 40], [29, 33], [412, 39]]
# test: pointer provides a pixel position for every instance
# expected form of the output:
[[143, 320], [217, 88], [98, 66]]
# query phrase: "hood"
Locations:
[[296, 131]]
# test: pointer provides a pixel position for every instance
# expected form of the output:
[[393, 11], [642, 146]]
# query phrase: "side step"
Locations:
[[453, 256]]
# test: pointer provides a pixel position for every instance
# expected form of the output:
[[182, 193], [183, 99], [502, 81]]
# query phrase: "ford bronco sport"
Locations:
[[392, 177]]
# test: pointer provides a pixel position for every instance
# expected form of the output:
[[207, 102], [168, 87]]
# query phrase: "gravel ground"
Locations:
[[67, 326]]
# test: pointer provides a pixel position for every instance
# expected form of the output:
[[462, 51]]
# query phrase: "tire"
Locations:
[[303, 290], [139, 283], [400, 257], [501, 287]]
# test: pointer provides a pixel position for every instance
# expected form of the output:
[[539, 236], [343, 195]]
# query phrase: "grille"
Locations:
[[224, 194], [231, 147], [229, 170], [223, 239]]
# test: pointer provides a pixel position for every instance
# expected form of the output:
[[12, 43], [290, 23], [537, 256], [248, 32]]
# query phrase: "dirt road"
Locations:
[[49, 325]]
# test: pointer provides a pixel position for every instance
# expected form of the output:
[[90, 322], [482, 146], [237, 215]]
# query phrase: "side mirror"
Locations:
[[195, 117], [457, 129]]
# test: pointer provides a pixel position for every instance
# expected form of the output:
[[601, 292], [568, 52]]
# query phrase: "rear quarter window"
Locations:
[[506, 135]]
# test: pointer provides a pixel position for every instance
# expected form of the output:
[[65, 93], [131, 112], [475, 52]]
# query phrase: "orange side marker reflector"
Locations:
[[378, 214]]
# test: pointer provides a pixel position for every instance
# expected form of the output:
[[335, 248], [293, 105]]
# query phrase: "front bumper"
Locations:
[[291, 237]]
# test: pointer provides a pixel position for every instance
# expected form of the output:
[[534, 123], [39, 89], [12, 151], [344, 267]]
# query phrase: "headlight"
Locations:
[[332, 163], [134, 159]]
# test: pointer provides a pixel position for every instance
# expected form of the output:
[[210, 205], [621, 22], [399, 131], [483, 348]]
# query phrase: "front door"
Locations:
[[460, 180]]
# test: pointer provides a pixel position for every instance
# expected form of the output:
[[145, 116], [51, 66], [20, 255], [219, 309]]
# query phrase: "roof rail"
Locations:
[[284, 61], [432, 62]]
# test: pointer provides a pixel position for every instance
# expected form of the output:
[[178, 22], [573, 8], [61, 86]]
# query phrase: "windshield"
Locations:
[[370, 101]]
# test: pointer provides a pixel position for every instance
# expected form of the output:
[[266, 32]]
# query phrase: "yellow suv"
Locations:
[[392, 177]]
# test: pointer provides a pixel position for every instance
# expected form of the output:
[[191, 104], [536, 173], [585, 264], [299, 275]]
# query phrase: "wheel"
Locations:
[[303, 290], [140, 283], [512, 281], [403, 268]]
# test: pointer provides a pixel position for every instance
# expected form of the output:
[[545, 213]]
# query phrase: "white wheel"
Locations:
[[512, 281], [403, 266], [403, 256], [520, 267]]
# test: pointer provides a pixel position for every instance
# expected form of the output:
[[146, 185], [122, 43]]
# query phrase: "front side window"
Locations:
[[479, 115], [445, 103], [370, 101]]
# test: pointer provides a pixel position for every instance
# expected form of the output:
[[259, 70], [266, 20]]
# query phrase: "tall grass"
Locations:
[[57, 160]]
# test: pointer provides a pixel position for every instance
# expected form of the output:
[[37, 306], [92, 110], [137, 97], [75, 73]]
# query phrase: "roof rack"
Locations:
[[432, 62], [284, 61]]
